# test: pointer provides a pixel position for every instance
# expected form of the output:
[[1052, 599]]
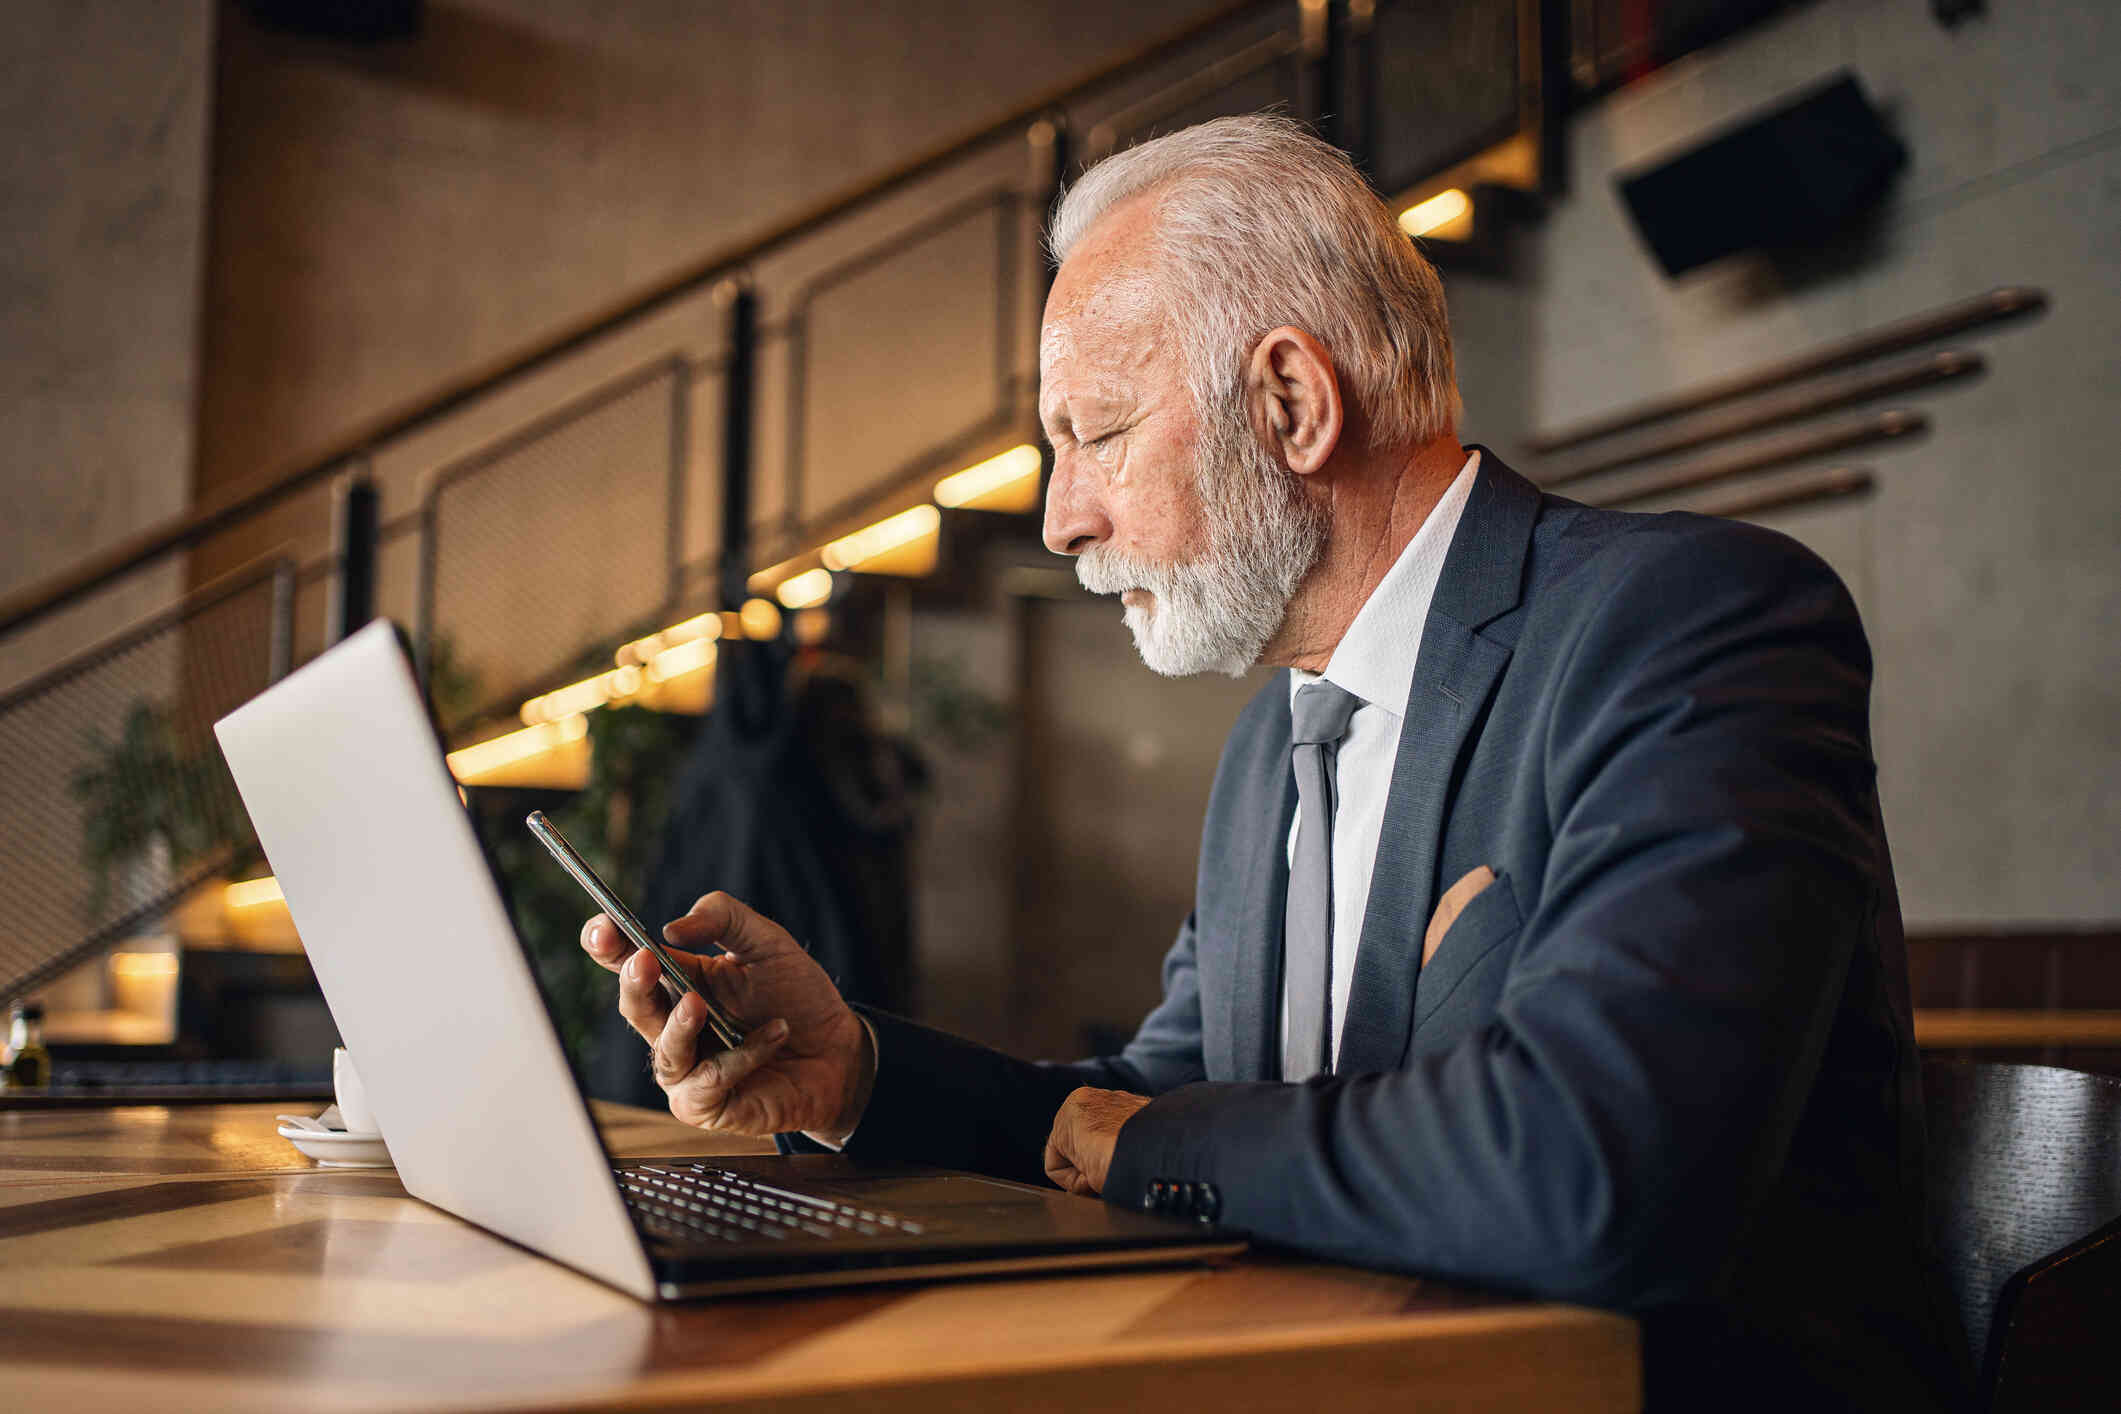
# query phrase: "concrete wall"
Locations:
[[389, 217], [103, 121], [1988, 564]]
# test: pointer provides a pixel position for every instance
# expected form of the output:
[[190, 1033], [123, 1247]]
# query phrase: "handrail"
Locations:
[[1766, 456], [99, 569], [1768, 413], [1784, 492], [2006, 302], [208, 596]]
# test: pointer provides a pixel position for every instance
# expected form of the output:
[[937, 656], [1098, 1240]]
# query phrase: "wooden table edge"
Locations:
[[1598, 1368], [1995, 1028]]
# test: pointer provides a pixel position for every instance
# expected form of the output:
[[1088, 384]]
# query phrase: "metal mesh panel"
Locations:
[[1276, 83], [1449, 83], [114, 800], [315, 584], [942, 288], [554, 542]]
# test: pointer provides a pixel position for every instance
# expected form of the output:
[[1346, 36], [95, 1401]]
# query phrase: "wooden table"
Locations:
[[1992, 1028], [187, 1258]]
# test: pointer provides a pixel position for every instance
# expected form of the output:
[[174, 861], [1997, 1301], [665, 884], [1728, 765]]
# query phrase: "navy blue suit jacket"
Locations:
[[1663, 1064]]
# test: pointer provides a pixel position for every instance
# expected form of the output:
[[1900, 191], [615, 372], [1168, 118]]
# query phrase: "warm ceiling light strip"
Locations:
[[695, 636], [492, 755], [763, 581], [850, 551], [806, 590], [250, 893], [700, 626], [1008, 482], [1438, 211], [760, 618], [584, 696], [680, 659]]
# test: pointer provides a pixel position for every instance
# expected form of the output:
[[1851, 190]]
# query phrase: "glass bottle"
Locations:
[[31, 1066]]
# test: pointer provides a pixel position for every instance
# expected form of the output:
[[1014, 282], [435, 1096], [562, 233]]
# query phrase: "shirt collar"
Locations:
[[1375, 657]]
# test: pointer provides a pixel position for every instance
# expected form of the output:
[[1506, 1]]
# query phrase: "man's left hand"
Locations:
[[1079, 1150]]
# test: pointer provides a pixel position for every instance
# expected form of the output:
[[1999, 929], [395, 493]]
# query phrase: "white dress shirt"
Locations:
[[1375, 661]]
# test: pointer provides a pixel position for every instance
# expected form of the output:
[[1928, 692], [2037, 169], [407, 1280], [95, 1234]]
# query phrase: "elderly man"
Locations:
[[1545, 934]]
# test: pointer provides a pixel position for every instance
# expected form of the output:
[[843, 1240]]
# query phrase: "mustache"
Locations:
[[1105, 570]]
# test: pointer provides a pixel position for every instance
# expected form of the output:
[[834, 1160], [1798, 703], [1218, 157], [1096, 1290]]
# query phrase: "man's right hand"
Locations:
[[806, 1063]]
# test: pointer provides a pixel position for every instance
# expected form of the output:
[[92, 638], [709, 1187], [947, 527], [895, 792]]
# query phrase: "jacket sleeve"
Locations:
[[1713, 864], [942, 1100]]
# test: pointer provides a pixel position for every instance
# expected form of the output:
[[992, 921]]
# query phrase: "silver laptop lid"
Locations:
[[344, 779]]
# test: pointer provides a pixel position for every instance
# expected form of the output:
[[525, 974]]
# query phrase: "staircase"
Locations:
[[716, 459]]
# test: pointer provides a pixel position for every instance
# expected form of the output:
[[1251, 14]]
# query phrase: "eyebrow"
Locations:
[[1060, 420], [1110, 410]]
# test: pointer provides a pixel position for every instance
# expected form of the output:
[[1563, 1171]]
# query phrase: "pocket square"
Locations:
[[1452, 904]]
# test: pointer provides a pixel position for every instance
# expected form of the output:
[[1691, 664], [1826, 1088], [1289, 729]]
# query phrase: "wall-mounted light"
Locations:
[[806, 590], [680, 659], [143, 988], [252, 893], [700, 626], [579, 697], [763, 581], [902, 544], [497, 754], [1447, 215], [879, 548], [1008, 482], [761, 619]]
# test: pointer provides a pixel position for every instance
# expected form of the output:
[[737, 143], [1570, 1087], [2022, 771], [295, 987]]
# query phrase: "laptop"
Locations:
[[342, 770]]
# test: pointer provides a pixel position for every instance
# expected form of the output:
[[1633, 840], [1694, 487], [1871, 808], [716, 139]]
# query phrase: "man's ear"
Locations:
[[1293, 393]]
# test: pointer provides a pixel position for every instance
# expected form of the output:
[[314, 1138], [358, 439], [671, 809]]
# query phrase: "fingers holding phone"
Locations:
[[677, 981], [711, 1091], [809, 1064], [701, 1077], [821, 1058], [602, 940], [645, 996]]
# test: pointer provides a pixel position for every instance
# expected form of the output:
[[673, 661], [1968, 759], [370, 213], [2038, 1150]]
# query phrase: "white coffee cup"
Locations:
[[346, 1086]]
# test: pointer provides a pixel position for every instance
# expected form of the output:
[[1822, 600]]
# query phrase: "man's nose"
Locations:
[[1075, 516]]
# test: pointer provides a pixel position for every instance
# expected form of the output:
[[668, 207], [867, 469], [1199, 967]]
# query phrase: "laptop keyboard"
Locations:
[[693, 1201]]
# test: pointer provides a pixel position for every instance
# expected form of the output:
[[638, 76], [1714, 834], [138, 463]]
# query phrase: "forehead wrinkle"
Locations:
[[1108, 288]]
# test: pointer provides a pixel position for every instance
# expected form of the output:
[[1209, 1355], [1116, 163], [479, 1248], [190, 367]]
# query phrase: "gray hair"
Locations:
[[1260, 224]]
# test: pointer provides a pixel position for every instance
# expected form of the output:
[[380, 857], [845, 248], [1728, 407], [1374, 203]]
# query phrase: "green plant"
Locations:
[[146, 786], [456, 690]]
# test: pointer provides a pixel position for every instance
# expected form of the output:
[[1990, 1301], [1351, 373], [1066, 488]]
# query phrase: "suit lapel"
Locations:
[[1454, 676], [1255, 991]]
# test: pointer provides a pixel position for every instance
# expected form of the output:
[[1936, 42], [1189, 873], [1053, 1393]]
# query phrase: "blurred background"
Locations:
[[667, 371]]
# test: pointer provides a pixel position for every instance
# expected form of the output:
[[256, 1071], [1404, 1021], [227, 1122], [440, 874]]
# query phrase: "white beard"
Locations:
[[1218, 611]]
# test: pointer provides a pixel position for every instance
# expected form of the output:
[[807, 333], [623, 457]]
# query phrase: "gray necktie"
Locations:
[[1319, 720]]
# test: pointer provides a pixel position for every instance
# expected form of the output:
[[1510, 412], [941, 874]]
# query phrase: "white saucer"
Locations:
[[340, 1148]]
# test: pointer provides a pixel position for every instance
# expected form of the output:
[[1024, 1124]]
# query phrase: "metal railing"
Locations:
[[115, 802], [555, 537], [187, 531]]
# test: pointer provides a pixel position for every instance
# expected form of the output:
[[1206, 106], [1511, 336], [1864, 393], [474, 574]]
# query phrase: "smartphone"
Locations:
[[675, 983]]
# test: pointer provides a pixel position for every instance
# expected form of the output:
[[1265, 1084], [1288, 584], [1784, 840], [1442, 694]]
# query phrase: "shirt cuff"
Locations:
[[875, 1060]]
